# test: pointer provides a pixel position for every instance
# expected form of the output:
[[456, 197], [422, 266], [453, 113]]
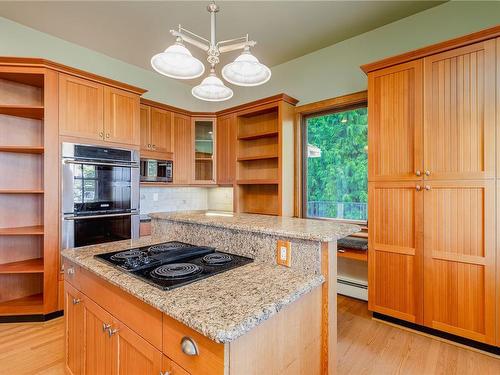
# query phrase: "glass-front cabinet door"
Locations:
[[204, 146]]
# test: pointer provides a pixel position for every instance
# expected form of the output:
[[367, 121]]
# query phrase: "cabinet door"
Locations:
[[395, 123], [395, 256], [74, 326], [183, 146], [145, 116], [226, 149], [135, 355], [172, 368], [459, 102], [204, 150], [161, 131], [121, 116], [80, 108], [459, 265], [100, 348]]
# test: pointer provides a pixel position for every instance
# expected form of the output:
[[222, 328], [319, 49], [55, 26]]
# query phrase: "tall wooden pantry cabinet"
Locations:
[[433, 115]]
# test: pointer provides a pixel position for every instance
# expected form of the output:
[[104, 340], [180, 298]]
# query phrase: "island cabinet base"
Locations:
[[108, 331]]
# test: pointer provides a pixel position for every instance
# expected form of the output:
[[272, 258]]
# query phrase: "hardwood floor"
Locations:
[[365, 347]]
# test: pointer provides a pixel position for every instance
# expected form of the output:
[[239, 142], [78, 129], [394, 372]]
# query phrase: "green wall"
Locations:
[[334, 70], [22, 41], [326, 73]]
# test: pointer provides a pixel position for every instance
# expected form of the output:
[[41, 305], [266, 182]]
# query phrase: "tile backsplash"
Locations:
[[160, 199]]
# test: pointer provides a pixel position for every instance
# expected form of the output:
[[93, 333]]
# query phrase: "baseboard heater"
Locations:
[[352, 288]]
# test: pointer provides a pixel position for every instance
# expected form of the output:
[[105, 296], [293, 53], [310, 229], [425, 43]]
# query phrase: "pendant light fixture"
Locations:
[[177, 62]]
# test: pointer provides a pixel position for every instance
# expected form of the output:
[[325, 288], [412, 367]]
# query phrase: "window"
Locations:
[[335, 165]]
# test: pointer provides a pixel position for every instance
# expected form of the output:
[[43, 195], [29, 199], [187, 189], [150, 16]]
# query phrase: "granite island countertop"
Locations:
[[306, 229], [221, 307]]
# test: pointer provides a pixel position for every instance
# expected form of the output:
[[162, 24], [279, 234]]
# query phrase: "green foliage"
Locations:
[[339, 176]]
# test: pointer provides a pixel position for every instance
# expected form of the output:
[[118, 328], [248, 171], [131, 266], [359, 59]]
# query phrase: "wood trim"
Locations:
[[43, 63], [332, 104], [461, 41], [329, 308], [165, 107], [257, 103]]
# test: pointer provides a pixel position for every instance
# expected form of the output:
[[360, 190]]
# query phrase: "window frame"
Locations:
[[303, 158]]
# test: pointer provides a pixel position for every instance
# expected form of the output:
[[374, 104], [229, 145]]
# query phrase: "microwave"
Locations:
[[156, 170]]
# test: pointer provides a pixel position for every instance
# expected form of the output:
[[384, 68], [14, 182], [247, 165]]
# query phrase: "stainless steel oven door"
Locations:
[[94, 229]]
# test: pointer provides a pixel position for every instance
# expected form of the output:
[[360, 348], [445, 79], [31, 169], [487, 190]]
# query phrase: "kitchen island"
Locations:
[[258, 318]]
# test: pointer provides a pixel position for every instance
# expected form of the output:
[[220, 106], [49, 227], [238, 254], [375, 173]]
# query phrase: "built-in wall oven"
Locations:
[[100, 194]]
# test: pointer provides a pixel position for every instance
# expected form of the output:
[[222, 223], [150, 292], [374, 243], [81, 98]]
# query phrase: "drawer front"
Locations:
[[142, 318], [71, 271], [207, 356]]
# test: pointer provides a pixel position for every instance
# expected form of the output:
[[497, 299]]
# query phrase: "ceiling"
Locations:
[[134, 31]]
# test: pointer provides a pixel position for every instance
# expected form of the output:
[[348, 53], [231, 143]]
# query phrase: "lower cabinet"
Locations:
[[98, 343]]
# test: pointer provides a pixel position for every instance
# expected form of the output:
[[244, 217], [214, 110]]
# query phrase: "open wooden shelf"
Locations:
[[21, 191], [28, 305], [258, 182], [258, 157], [203, 159], [28, 111], [23, 149], [267, 134], [35, 230], [24, 266], [361, 255]]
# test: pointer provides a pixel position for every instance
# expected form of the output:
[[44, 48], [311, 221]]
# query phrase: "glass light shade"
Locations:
[[246, 70], [212, 89], [177, 62]]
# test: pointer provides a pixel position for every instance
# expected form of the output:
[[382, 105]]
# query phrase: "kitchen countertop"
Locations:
[[306, 229], [221, 307]]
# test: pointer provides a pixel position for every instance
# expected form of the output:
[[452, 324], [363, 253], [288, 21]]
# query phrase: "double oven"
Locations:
[[100, 194]]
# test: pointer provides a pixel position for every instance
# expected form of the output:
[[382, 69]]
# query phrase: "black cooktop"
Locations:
[[173, 264]]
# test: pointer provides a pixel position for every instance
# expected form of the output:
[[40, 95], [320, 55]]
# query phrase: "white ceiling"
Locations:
[[134, 31]]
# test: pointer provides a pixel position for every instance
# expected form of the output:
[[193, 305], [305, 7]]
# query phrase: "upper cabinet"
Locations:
[[156, 133], [81, 104], [226, 149], [183, 146], [395, 121], [459, 114], [97, 112], [121, 116], [204, 150]]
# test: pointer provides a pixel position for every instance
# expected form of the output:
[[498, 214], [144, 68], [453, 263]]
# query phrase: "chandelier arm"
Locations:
[[188, 39], [236, 46]]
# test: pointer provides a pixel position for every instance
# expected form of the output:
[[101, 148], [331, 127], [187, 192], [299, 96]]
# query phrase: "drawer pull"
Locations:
[[105, 327], [111, 331], [70, 270], [189, 346], [76, 301]]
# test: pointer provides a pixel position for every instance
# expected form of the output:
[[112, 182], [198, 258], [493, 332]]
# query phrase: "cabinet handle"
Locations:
[[149, 145], [418, 173], [76, 301], [418, 187], [154, 147], [107, 135], [427, 187], [111, 332], [105, 327], [165, 373], [70, 270], [101, 135], [189, 347], [427, 173]]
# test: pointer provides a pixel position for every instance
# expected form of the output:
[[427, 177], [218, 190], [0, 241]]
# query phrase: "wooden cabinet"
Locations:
[[226, 149], [172, 368], [459, 265], [395, 123], [97, 112], [183, 150], [395, 254], [135, 355], [74, 326], [81, 108], [432, 251], [156, 133], [459, 126], [121, 116], [204, 150]]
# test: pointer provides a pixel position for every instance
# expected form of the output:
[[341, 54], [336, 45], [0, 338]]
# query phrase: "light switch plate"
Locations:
[[284, 253]]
